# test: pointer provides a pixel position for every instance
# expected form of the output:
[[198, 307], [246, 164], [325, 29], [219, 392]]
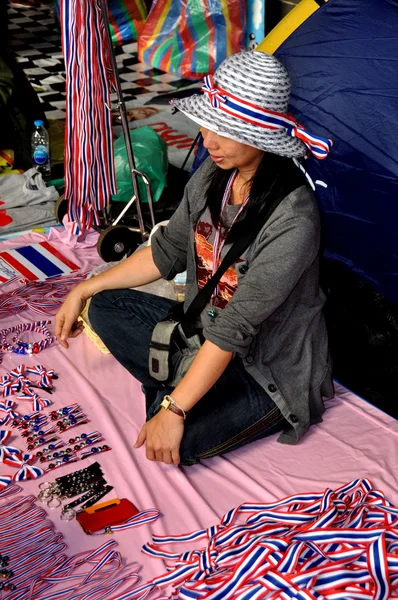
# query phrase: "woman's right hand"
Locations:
[[66, 323]]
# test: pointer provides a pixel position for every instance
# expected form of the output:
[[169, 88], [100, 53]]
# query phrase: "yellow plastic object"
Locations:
[[97, 507], [289, 23], [90, 333], [7, 163]]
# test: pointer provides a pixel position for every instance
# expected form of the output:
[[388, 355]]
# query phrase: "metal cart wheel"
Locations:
[[116, 241], [61, 208]]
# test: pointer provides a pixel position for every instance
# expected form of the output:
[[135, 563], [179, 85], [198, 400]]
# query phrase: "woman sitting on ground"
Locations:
[[264, 364]]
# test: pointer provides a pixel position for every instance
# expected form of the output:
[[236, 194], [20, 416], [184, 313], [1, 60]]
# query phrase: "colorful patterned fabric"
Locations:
[[126, 19], [190, 37]]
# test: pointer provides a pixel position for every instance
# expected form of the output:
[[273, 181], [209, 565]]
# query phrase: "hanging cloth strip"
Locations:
[[335, 545], [89, 167]]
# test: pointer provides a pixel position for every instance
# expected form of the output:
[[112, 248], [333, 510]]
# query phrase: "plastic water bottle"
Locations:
[[41, 150]]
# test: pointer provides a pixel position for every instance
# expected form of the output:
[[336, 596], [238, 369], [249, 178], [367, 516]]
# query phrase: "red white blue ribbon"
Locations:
[[41, 567], [20, 382], [334, 545], [27, 470], [6, 385], [262, 117], [89, 167], [5, 481], [37, 402], [46, 377], [5, 449], [7, 409], [42, 297]]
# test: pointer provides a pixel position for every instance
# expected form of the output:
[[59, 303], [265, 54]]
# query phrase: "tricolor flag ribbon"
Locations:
[[7, 412], [262, 117], [37, 402], [334, 545], [5, 450], [89, 167], [5, 481], [6, 385], [21, 383], [27, 471], [213, 92], [46, 377]]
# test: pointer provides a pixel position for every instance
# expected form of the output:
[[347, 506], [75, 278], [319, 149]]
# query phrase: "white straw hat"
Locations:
[[247, 100]]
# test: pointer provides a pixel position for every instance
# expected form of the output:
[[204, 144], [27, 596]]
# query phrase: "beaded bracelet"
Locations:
[[22, 347]]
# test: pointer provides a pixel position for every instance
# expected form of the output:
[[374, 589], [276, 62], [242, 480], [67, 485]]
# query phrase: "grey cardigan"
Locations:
[[274, 321]]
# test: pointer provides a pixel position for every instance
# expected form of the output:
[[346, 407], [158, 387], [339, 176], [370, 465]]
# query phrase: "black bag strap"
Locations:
[[189, 318]]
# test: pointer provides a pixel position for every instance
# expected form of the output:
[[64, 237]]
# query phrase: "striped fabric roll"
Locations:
[[89, 168]]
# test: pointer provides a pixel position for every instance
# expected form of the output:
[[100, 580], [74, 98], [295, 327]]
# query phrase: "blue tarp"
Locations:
[[343, 62]]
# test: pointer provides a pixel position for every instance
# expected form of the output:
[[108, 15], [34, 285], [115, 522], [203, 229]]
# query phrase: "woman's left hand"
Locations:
[[162, 435]]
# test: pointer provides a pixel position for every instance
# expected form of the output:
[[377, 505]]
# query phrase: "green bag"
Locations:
[[150, 154]]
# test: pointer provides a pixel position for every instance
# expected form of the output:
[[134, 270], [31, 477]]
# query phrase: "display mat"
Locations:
[[355, 440]]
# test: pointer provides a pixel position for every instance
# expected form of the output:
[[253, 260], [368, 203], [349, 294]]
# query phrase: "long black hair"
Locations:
[[275, 178]]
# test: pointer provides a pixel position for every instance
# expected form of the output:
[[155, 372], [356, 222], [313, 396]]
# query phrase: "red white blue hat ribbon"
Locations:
[[263, 117]]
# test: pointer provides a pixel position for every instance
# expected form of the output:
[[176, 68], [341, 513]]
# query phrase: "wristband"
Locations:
[[168, 403]]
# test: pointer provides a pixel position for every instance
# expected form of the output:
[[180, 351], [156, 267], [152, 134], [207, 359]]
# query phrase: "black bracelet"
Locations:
[[68, 512]]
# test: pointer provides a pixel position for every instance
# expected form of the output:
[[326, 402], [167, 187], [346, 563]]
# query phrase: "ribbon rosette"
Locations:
[[26, 471], [46, 377], [21, 383], [10, 414], [6, 385], [37, 402], [5, 480], [212, 91], [7, 451]]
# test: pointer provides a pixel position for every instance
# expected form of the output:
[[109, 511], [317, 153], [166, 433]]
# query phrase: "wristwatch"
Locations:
[[168, 403]]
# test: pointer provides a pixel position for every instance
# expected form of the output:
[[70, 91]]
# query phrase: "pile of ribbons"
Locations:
[[89, 168], [42, 297], [335, 545], [37, 567]]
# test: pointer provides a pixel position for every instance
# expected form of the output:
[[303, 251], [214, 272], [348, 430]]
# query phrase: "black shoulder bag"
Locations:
[[175, 342]]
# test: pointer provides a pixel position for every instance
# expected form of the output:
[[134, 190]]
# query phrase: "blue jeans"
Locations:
[[234, 412]]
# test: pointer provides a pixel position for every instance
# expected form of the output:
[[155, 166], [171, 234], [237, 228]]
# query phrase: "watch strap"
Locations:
[[168, 403]]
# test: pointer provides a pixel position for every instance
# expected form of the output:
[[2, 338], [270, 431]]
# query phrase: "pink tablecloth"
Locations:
[[355, 440]]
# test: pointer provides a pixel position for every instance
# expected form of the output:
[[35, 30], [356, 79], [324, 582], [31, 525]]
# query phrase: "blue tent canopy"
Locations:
[[343, 62]]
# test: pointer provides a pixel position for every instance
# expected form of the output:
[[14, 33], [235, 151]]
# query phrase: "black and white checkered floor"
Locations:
[[36, 41]]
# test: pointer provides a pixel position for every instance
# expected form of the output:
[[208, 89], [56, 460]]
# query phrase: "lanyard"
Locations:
[[219, 238], [334, 545]]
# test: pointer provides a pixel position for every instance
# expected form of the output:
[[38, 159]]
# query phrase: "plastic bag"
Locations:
[[126, 20], [192, 37], [150, 154]]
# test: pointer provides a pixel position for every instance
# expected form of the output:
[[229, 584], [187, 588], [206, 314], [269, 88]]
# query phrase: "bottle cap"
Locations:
[[38, 123]]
